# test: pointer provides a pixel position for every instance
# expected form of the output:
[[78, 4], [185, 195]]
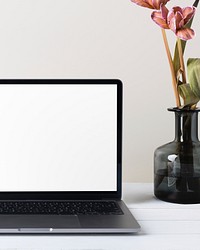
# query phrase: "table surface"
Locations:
[[165, 226]]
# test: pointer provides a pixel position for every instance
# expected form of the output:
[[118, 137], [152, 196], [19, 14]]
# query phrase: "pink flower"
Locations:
[[151, 4], [160, 17], [175, 19]]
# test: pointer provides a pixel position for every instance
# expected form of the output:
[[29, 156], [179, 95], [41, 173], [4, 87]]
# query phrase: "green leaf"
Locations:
[[189, 98], [193, 68]]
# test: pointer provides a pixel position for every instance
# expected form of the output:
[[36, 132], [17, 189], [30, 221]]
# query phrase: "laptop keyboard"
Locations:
[[61, 207]]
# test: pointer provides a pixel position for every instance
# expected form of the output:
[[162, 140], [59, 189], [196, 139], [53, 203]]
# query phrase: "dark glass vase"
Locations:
[[177, 164]]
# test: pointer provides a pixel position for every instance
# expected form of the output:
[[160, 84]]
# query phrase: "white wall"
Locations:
[[98, 39]]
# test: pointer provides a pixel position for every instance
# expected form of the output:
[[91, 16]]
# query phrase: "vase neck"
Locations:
[[186, 126]]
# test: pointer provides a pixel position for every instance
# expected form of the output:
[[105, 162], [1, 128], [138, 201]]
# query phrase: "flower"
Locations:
[[151, 4], [160, 17], [179, 21], [178, 18], [175, 19]]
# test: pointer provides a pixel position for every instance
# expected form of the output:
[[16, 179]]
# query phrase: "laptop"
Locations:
[[60, 157]]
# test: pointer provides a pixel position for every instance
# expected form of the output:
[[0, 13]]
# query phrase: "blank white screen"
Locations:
[[58, 137]]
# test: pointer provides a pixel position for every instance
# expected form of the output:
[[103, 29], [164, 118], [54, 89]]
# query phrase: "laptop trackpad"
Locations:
[[39, 221]]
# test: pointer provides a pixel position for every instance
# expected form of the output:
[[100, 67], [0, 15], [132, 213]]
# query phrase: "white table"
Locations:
[[165, 226]]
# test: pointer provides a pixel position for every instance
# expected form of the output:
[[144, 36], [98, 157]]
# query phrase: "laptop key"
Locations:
[[61, 207]]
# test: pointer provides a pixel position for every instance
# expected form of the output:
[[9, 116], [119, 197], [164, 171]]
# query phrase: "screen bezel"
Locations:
[[74, 195]]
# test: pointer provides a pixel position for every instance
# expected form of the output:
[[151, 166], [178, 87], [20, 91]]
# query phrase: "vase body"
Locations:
[[177, 164]]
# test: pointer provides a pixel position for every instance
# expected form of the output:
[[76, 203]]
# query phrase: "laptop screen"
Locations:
[[58, 137]]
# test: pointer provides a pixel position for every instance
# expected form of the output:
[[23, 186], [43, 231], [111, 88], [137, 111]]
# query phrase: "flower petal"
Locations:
[[176, 9], [179, 20], [143, 3], [164, 11], [165, 1], [185, 34], [150, 2], [158, 19], [175, 20], [157, 3], [173, 11], [188, 13]]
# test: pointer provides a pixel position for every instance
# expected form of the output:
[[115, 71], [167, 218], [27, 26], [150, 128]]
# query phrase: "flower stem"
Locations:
[[180, 51], [174, 81]]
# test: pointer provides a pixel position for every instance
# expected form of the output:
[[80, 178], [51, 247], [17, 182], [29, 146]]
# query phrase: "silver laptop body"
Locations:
[[61, 141]]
